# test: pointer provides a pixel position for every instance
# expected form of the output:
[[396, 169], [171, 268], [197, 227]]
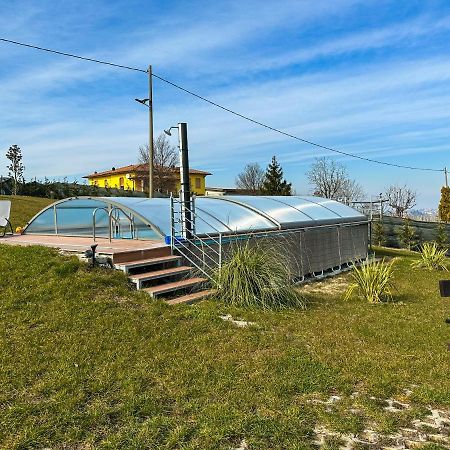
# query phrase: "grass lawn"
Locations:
[[88, 363], [24, 208]]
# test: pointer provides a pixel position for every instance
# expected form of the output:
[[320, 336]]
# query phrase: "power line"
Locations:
[[306, 141], [84, 58], [224, 108]]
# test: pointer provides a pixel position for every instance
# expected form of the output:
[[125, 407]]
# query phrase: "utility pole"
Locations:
[[184, 178], [151, 150], [446, 176]]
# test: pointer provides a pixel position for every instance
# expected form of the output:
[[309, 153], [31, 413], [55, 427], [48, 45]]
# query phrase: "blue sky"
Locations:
[[368, 77]]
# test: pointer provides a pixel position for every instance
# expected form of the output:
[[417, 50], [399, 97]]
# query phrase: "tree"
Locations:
[[165, 158], [400, 199], [444, 205], [379, 233], [330, 179], [16, 168], [274, 183], [251, 178], [407, 235]]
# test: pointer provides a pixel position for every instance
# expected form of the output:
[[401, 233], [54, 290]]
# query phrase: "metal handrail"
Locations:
[[180, 242], [111, 218], [117, 221], [194, 263], [93, 220]]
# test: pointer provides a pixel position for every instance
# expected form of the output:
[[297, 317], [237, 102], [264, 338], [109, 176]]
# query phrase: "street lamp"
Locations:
[[148, 102]]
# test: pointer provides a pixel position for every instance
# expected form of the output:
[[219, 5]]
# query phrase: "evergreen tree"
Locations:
[[379, 233], [441, 236], [16, 168], [407, 235], [444, 205], [274, 183]]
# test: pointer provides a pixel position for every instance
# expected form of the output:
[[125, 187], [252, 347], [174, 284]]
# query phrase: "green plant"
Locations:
[[274, 182], [441, 236], [373, 280], [431, 257], [379, 233], [256, 275], [444, 204], [407, 235]]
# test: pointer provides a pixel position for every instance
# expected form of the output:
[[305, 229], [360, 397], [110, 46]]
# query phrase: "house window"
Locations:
[[198, 183], [122, 183], [95, 182], [106, 183]]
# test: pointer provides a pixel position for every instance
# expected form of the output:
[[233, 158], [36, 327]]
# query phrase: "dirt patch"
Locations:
[[333, 285]]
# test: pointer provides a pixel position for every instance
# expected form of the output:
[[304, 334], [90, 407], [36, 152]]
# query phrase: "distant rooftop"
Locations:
[[140, 168]]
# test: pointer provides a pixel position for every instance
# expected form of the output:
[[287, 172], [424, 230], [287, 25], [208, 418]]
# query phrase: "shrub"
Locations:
[[256, 275], [431, 257], [373, 280], [379, 233], [441, 236], [407, 235]]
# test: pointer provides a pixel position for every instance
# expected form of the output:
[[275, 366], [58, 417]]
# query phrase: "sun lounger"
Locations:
[[5, 209]]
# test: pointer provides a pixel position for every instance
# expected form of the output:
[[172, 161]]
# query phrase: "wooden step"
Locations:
[[191, 298], [146, 253], [127, 265], [139, 278], [175, 286]]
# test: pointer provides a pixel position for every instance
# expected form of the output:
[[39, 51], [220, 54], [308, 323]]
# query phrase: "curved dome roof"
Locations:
[[74, 216]]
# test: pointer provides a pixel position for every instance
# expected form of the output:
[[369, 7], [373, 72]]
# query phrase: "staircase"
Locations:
[[160, 274]]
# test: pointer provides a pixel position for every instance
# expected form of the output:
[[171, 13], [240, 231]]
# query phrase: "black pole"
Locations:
[[184, 176]]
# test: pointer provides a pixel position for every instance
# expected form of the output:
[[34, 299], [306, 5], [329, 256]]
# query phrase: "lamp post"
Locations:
[[184, 177], [148, 102]]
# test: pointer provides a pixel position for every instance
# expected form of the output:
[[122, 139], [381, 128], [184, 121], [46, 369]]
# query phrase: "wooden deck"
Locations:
[[118, 249]]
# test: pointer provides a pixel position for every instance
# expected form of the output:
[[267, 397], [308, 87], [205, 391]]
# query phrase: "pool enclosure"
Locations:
[[315, 234]]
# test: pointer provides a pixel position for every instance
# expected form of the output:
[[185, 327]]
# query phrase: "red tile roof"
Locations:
[[139, 168]]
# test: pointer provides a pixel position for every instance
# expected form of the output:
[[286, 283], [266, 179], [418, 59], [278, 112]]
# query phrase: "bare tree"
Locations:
[[251, 178], [165, 159], [330, 179], [400, 199], [16, 168]]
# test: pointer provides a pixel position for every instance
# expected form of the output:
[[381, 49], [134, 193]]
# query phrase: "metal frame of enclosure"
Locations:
[[313, 234]]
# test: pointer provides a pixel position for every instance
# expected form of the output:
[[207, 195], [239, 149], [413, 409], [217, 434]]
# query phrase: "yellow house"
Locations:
[[135, 178]]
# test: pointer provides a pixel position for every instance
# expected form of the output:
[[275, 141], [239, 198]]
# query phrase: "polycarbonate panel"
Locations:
[[345, 212], [280, 212], [235, 217], [321, 215], [72, 217]]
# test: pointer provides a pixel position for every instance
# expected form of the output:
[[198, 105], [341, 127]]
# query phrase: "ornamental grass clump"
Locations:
[[373, 280], [432, 257], [257, 276]]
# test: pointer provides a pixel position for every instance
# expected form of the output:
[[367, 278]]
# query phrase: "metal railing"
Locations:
[[203, 251], [207, 251], [114, 216]]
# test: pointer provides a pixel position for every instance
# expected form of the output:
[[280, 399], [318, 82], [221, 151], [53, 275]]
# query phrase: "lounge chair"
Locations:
[[5, 209]]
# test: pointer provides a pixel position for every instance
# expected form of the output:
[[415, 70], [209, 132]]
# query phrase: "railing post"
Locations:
[[172, 223], [193, 214], [220, 252]]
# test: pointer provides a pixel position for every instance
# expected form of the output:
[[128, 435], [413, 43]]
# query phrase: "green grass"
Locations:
[[88, 363], [24, 208]]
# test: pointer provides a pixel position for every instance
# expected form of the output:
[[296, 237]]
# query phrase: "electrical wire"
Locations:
[[84, 58], [224, 108]]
